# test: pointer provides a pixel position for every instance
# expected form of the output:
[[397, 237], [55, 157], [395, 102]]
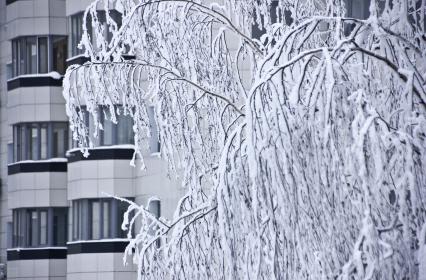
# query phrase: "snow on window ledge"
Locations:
[[39, 161], [54, 75], [100, 240], [36, 248]]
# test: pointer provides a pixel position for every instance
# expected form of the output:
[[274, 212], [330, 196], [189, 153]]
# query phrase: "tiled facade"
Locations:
[[57, 219]]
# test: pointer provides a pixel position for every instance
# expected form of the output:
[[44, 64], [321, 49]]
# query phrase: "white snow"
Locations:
[[55, 75], [40, 161], [289, 148]]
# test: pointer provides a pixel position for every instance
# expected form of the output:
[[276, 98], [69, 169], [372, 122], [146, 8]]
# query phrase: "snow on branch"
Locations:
[[302, 151]]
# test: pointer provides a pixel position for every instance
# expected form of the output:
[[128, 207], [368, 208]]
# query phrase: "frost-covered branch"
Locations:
[[302, 151]]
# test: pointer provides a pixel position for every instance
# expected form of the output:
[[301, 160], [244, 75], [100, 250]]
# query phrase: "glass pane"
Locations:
[[33, 228], [22, 142], [125, 130], [95, 215], [59, 52], [59, 226], [31, 55], [15, 53], [16, 145], [75, 216], [92, 129], [76, 32], [122, 208], [108, 125], [22, 221], [42, 55], [43, 227], [33, 145], [43, 141], [154, 207], [106, 219], [15, 228], [60, 139], [22, 45], [83, 217]]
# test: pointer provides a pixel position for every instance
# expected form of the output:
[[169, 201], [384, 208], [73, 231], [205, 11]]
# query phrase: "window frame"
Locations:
[[76, 29], [82, 220], [100, 140], [25, 235], [23, 148], [21, 62]]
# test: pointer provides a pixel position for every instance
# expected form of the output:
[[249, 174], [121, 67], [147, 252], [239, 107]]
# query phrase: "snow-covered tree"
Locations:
[[303, 152]]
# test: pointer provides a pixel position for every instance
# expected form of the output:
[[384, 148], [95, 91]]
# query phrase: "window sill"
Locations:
[[36, 253], [114, 245], [52, 79], [28, 166], [116, 152]]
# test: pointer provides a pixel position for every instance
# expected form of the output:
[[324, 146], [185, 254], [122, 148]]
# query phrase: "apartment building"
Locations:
[[57, 220]]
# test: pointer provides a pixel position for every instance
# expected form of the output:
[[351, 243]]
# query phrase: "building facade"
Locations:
[[58, 220]]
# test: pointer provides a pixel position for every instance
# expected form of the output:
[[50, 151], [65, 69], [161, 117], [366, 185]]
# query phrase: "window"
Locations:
[[35, 141], [77, 28], [59, 52], [38, 54], [31, 227], [112, 134], [154, 207], [358, 8], [98, 218], [256, 33]]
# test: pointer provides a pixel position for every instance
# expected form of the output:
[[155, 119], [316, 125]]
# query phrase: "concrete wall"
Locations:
[[98, 178], [53, 269], [38, 189], [5, 57], [36, 104], [100, 266], [36, 17]]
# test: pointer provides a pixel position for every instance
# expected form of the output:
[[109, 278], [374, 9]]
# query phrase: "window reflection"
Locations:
[[30, 227], [98, 218], [30, 55], [35, 141]]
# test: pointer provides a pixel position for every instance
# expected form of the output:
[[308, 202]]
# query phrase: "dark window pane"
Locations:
[[59, 226], [42, 55], [15, 58], [59, 52], [16, 143], [75, 215], [125, 129], [22, 45], [15, 229], [122, 208], [22, 138], [60, 139], [76, 32]]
